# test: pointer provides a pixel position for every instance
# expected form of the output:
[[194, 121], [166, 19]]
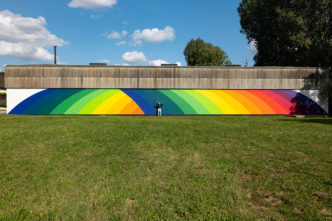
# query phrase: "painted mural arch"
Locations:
[[176, 102]]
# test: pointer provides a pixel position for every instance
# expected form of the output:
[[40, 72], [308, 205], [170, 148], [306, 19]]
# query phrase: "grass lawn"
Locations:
[[96, 168]]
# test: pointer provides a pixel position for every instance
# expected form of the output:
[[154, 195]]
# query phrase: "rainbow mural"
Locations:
[[176, 102]]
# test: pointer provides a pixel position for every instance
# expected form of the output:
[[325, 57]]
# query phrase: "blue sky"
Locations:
[[145, 32]]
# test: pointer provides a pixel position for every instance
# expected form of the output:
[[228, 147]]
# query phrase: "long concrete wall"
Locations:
[[175, 102], [64, 76]]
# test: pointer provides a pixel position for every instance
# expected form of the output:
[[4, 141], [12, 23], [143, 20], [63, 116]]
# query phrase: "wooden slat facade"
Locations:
[[66, 76]]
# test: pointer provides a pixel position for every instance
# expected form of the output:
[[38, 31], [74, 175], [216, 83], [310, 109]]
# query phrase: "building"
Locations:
[[129, 90]]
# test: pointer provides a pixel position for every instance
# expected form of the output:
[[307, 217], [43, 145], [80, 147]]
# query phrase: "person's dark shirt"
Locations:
[[159, 105]]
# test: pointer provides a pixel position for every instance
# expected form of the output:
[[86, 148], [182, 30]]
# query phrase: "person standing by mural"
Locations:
[[159, 108]]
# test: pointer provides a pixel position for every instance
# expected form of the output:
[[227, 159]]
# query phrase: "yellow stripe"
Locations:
[[221, 103], [105, 106], [122, 101], [240, 109], [214, 99], [206, 101], [248, 104]]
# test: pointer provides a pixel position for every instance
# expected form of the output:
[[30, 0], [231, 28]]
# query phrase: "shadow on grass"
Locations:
[[327, 121]]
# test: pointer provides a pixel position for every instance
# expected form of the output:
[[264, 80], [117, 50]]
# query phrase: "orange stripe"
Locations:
[[272, 103], [285, 104], [252, 107], [259, 102], [138, 111], [237, 105], [131, 108], [120, 104]]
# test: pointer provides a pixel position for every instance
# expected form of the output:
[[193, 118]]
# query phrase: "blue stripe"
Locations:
[[152, 98], [45, 102], [21, 107], [147, 108], [304, 104]]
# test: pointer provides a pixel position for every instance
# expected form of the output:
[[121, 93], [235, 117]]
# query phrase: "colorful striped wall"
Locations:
[[176, 102]]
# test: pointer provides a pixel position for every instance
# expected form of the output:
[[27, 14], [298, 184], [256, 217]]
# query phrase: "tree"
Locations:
[[200, 53], [289, 32], [326, 90]]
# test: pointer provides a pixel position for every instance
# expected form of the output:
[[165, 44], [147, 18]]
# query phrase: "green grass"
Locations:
[[97, 168]]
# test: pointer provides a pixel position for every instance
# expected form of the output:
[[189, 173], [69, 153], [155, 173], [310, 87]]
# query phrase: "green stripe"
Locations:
[[170, 107], [206, 102], [63, 107], [182, 104], [52, 103], [198, 107], [96, 102], [76, 107]]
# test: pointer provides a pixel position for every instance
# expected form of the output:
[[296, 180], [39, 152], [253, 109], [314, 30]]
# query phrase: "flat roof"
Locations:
[[198, 67]]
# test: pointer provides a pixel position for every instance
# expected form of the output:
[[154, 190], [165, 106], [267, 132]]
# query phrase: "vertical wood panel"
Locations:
[[50, 76]]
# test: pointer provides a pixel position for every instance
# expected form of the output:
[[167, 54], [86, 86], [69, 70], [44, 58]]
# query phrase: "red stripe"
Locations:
[[285, 95], [285, 104], [259, 102], [271, 102]]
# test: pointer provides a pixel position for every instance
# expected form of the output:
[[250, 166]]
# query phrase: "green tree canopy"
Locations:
[[289, 32], [200, 53], [326, 90]]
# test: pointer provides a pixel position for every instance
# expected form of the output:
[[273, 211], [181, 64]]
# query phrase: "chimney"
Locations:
[[54, 54], [168, 65], [97, 64]]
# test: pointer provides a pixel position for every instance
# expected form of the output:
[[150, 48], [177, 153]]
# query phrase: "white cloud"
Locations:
[[26, 38], [133, 57], [121, 43], [253, 46], [97, 16], [104, 61], [157, 62], [92, 4], [116, 35], [113, 35], [24, 51], [154, 35], [124, 33], [14, 27], [61, 62]]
